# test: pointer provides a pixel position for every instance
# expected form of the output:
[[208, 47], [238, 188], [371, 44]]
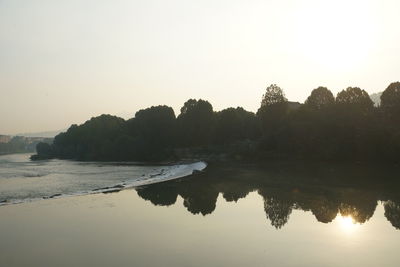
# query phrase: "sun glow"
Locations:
[[337, 34]]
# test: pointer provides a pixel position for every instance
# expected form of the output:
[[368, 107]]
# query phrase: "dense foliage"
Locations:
[[348, 127]]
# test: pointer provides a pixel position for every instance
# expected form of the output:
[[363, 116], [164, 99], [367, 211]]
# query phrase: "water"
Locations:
[[24, 180], [278, 214], [329, 192]]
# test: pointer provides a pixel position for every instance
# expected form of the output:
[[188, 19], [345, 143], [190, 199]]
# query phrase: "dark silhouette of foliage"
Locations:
[[390, 102], [273, 95], [233, 124], [93, 140], [355, 99], [348, 128], [44, 149], [272, 115], [153, 130], [196, 123], [392, 213], [277, 211], [320, 98]]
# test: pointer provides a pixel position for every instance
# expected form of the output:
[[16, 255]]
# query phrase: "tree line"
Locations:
[[347, 127]]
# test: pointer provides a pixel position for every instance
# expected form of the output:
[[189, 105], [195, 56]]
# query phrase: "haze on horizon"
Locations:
[[62, 62]]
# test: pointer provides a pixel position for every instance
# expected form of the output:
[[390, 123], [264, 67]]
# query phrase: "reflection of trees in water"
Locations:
[[200, 201], [234, 190], [234, 195], [392, 213], [277, 211], [324, 210], [280, 196], [359, 205], [359, 215], [158, 194], [197, 197], [322, 203]]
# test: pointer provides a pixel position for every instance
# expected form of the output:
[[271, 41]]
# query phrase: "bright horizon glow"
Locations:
[[62, 62]]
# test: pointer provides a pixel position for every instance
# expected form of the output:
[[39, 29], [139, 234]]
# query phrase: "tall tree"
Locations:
[[234, 124], [196, 123], [155, 131], [354, 123], [273, 110], [320, 98], [273, 95], [356, 99], [92, 140], [390, 101]]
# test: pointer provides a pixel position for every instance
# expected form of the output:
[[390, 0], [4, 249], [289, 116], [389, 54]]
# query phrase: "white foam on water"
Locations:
[[157, 175], [170, 173]]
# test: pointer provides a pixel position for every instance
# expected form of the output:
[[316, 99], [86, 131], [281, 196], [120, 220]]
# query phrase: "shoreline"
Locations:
[[174, 172]]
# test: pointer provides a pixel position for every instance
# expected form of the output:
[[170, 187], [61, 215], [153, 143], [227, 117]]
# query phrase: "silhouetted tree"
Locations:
[[390, 101], [392, 213], [346, 128], [354, 124], [233, 124], [273, 95], [271, 115], [320, 98], [355, 99], [306, 130], [44, 149], [92, 140], [196, 123], [154, 129], [277, 211]]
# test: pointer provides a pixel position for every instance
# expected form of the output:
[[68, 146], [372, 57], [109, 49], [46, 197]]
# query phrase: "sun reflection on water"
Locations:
[[347, 224]]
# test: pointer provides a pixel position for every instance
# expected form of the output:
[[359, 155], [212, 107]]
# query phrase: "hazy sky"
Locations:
[[62, 62]]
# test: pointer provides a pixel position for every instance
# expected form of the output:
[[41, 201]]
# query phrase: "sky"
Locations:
[[63, 62]]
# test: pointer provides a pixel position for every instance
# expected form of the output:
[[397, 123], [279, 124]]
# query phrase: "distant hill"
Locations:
[[376, 98], [48, 134], [20, 144]]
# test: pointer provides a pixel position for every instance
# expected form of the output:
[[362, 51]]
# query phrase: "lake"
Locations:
[[270, 214]]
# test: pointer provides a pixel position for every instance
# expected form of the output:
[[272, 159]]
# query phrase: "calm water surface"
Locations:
[[281, 214]]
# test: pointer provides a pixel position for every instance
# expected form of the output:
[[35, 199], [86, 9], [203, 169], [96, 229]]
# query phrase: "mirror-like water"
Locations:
[[280, 214], [328, 191]]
